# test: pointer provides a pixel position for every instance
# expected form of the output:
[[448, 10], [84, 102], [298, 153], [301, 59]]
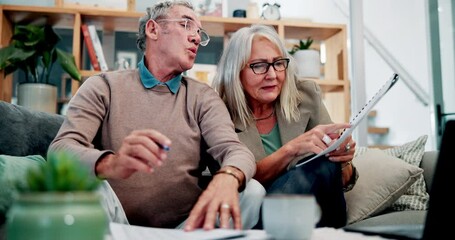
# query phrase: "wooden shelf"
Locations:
[[372, 113], [60, 18], [378, 130], [88, 73], [335, 83], [329, 85]]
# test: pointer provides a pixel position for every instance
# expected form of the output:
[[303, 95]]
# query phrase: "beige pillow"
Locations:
[[383, 179], [416, 197]]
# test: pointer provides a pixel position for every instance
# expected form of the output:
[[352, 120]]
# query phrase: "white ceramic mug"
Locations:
[[290, 216]]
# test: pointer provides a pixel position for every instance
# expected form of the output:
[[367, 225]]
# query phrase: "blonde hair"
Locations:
[[235, 57]]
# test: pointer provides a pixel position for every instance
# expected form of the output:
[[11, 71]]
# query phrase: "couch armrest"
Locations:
[[26, 132], [428, 165]]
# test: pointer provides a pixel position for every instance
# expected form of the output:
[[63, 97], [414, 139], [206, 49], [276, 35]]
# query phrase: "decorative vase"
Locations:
[[57, 216], [38, 96], [308, 63]]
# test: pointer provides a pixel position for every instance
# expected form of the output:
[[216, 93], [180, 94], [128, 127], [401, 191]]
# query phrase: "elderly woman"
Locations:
[[283, 120]]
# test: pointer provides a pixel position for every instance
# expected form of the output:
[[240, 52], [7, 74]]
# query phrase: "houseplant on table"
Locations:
[[33, 50], [57, 200], [307, 59]]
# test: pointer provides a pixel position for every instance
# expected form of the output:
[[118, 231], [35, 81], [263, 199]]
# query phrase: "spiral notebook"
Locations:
[[355, 120]]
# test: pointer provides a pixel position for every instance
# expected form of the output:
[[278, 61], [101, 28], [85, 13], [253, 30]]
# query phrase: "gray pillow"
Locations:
[[13, 170], [26, 132]]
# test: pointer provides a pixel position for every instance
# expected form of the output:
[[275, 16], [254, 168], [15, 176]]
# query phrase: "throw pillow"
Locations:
[[12, 170], [416, 197], [26, 132], [383, 179]]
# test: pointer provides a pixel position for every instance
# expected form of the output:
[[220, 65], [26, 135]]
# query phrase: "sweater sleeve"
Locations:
[[218, 132], [85, 114]]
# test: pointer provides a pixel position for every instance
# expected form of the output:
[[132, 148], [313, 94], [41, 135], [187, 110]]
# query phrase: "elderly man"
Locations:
[[146, 131]]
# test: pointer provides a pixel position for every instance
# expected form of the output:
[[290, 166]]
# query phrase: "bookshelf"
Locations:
[[334, 82]]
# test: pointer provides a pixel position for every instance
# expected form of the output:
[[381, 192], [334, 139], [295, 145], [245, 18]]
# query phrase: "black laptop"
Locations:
[[439, 220]]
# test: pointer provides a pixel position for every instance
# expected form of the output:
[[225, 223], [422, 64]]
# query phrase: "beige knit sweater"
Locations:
[[106, 109]]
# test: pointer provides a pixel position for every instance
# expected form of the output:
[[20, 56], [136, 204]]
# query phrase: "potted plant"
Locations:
[[57, 200], [33, 50], [308, 60]]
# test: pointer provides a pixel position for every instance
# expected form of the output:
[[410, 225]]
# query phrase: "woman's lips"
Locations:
[[268, 88]]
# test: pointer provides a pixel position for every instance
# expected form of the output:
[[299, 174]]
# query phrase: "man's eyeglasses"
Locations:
[[263, 67], [191, 27]]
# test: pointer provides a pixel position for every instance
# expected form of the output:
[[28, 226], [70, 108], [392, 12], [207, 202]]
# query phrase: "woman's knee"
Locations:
[[254, 189]]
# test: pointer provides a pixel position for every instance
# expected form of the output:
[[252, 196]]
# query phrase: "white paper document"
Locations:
[[357, 118], [132, 232]]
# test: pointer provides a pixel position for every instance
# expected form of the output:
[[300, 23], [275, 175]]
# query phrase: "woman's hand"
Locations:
[[345, 152], [312, 140]]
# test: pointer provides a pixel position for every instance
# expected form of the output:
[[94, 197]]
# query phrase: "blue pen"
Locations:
[[164, 147]]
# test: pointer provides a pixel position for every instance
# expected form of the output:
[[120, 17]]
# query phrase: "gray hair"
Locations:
[[235, 57], [155, 12]]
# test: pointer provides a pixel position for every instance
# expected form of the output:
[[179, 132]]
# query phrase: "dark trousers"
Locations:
[[322, 178]]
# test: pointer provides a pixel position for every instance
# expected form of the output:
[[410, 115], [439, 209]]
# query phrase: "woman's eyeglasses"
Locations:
[[263, 67], [191, 27]]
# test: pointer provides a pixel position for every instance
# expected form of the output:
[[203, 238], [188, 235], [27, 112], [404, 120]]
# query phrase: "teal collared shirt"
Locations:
[[149, 81]]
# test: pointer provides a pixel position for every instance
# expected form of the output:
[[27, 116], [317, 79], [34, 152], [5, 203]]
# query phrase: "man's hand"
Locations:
[[220, 199], [142, 150]]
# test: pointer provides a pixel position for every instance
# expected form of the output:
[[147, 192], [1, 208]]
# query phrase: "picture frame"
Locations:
[[126, 60], [202, 72], [215, 8]]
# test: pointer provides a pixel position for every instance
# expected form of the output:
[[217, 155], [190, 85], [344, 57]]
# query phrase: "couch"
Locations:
[[384, 177], [391, 217]]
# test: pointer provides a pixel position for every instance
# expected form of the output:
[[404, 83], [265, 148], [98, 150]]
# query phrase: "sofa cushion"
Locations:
[[416, 197], [394, 218], [13, 170], [382, 180], [428, 164], [26, 132]]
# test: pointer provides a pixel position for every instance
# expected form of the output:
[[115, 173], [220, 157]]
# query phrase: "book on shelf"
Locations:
[[90, 48], [98, 48]]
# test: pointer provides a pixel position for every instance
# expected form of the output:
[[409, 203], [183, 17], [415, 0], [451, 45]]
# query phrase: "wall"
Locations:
[[401, 27]]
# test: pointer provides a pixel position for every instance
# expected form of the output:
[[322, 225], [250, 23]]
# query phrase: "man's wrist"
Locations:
[[236, 173], [101, 165]]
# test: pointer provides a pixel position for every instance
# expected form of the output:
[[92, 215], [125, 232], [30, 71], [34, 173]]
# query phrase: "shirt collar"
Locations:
[[149, 81]]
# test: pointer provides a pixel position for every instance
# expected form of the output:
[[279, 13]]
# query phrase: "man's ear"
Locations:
[[151, 29]]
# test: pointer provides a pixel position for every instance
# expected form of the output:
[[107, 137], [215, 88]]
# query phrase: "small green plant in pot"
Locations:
[[57, 200], [307, 59], [303, 45], [34, 51]]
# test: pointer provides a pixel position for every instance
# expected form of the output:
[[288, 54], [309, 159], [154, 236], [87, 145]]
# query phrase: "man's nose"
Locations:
[[195, 38]]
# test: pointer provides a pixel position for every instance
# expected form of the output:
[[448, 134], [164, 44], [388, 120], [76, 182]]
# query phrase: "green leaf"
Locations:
[[12, 57], [62, 172], [33, 49], [68, 63], [303, 45]]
